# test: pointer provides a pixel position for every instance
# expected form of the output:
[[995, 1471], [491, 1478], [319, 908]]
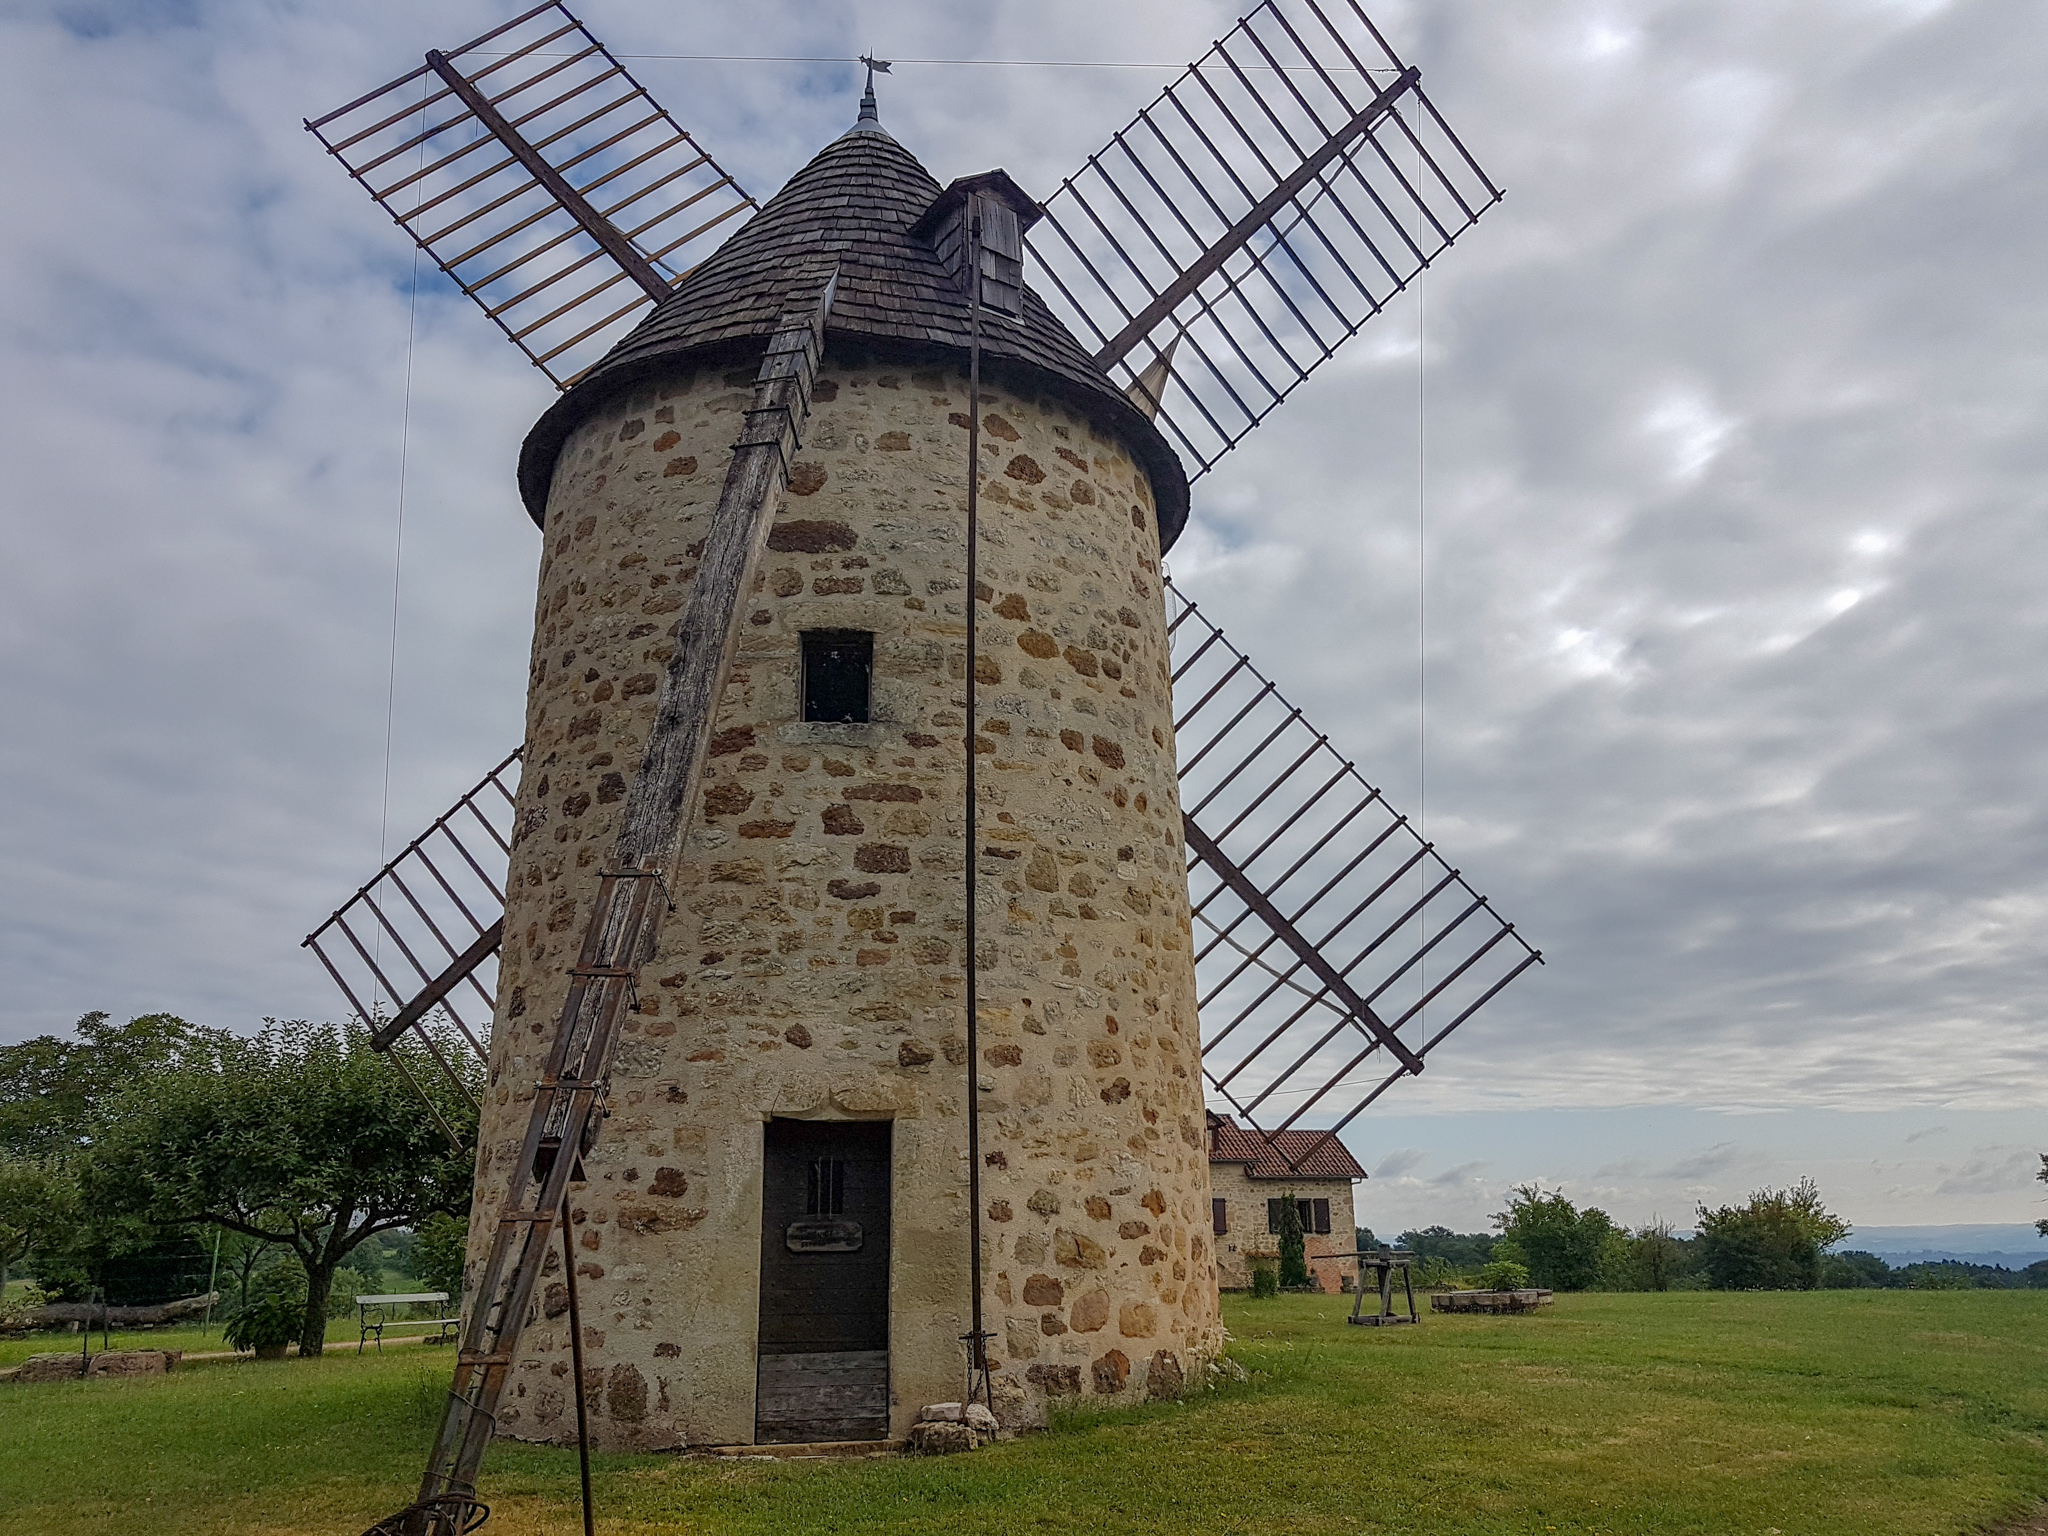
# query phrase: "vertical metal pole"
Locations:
[[576, 1362], [977, 1350], [212, 1282]]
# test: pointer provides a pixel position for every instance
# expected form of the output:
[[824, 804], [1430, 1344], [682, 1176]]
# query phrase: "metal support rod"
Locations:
[[576, 1365], [595, 224], [977, 1340]]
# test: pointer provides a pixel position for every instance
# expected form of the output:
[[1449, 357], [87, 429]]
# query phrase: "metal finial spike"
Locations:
[[868, 114]]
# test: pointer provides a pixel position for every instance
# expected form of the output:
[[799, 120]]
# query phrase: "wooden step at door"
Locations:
[[836, 1395]]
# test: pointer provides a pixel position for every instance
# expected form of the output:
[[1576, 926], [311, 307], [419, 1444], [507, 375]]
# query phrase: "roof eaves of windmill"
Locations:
[[857, 203]]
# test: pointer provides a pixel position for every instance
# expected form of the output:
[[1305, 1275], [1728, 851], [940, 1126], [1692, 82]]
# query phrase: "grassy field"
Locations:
[[1875, 1412], [189, 1337]]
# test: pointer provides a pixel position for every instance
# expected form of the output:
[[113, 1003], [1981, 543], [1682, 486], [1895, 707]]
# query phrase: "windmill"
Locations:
[[875, 788]]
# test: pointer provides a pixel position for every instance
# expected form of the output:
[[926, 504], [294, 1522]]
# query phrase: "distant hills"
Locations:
[[2010, 1245]]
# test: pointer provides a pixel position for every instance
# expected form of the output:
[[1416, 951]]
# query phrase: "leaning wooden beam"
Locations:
[[624, 925]]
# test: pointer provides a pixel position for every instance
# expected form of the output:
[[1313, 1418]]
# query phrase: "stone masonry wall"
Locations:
[[813, 965], [1245, 1214]]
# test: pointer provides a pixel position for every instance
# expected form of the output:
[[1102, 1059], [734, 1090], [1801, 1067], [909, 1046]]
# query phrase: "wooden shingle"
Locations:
[[855, 203]]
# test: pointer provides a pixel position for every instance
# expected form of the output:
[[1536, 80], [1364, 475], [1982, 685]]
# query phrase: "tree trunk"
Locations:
[[59, 1312], [313, 1333]]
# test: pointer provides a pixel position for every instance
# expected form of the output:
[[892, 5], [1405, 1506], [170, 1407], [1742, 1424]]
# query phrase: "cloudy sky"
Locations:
[[1678, 554]]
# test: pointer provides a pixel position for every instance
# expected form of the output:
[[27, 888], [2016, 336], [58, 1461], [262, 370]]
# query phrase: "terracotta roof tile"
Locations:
[[1283, 1155]]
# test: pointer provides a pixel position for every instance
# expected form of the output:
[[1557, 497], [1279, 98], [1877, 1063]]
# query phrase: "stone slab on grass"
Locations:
[[1489, 1301], [119, 1362]]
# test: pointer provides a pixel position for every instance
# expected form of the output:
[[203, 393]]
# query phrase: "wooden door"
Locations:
[[824, 1353]]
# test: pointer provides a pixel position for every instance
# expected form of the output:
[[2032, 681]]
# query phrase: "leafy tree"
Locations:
[[438, 1249], [1293, 1244], [1854, 1270], [302, 1137], [1562, 1246], [2042, 1225], [1658, 1257], [38, 1204], [1821, 1224], [52, 1090], [52, 1094], [1462, 1251], [1773, 1243]]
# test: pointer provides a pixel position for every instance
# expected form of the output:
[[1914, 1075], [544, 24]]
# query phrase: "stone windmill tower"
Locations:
[[784, 1166], [875, 783]]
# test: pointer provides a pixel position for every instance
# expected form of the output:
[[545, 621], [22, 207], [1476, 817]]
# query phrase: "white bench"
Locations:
[[373, 1315]]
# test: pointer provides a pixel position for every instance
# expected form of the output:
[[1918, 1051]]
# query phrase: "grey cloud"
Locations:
[[1395, 1164], [1734, 511], [1715, 1160]]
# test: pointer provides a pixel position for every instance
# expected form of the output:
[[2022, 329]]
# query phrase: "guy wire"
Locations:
[[397, 570]]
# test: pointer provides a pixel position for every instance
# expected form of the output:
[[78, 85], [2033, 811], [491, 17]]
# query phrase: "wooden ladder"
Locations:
[[624, 926]]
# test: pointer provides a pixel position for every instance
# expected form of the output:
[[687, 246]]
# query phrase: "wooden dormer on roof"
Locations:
[[1006, 212]]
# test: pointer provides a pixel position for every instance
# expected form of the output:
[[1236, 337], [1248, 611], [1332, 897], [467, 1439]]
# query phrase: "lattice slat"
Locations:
[[1253, 217], [536, 172], [1334, 948], [422, 934]]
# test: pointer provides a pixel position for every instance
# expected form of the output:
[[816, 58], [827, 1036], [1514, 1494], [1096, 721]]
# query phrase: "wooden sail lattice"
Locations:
[[1335, 947], [540, 176], [421, 937], [1272, 200]]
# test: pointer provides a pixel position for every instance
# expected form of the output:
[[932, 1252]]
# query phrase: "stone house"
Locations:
[[772, 1233], [1249, 1177]]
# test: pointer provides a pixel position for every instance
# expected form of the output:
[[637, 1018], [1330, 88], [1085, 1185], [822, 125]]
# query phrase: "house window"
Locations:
[[838, 666], [825, 1190], [1216, 1214], [1314, 1214]]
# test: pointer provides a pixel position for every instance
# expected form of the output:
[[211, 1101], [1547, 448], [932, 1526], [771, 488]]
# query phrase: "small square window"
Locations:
[[838, 667]]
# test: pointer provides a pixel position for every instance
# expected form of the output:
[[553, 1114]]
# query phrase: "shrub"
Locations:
[[1563, 1246], [1503, 1275], [271, 1320], [1293, 1246], [1265, 1276], [15, 1308]]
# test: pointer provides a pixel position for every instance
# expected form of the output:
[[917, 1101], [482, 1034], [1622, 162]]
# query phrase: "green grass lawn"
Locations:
[[1875, 1412]]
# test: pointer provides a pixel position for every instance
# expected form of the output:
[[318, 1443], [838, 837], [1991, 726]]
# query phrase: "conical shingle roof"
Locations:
[[855, 204]]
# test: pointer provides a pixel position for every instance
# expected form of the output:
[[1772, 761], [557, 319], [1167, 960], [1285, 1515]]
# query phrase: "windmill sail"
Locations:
[[1262, 209], [538, 174], [1335, 947], [423, 933]]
